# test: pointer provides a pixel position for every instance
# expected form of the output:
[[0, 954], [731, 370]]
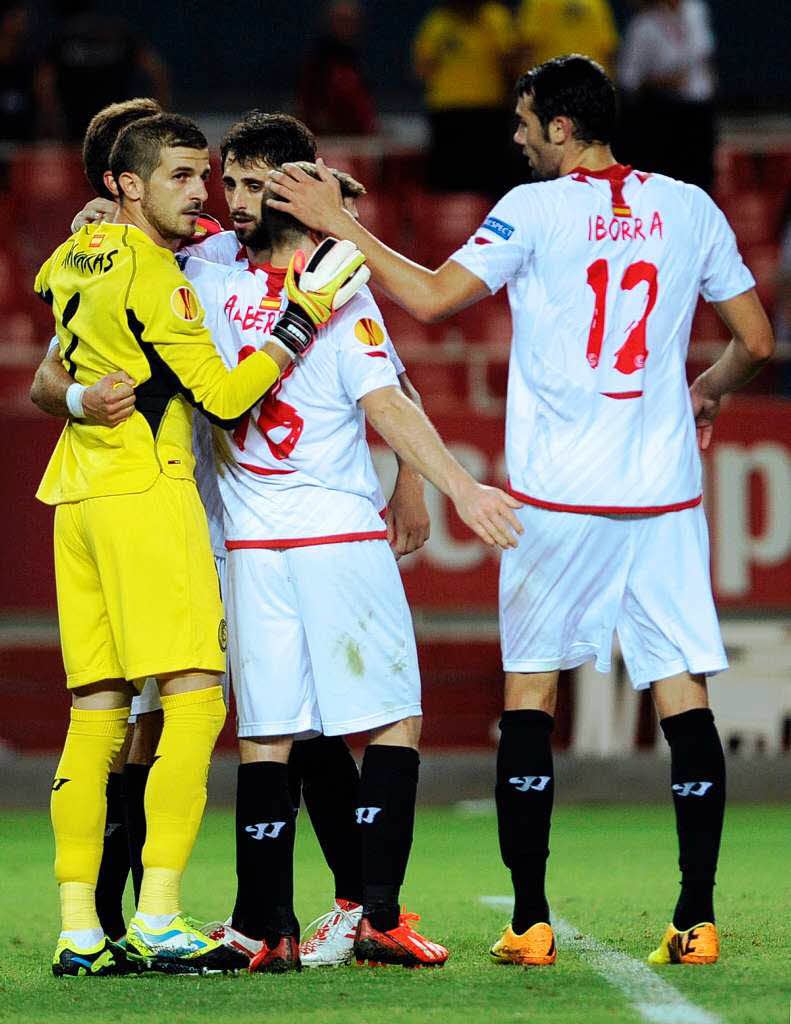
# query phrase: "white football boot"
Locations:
[[331, 943]]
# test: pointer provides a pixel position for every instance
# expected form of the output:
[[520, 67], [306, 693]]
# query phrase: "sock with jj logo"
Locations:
[[524, 795], [697, 772], [265, 829]]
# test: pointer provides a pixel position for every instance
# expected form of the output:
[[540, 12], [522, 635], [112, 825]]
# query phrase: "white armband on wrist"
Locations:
[[74, 393]]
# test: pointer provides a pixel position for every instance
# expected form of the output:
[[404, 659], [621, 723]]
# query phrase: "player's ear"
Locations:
[[109, 183], [130, 185], [561, 129]]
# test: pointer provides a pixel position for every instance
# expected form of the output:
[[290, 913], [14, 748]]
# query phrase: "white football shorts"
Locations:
[[148, 698], [320, 640], [575, 580]]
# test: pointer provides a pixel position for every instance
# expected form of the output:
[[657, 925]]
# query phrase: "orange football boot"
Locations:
[[533, 948]]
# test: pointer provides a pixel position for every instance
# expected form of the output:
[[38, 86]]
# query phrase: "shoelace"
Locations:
[[405, 917], [322, 927]]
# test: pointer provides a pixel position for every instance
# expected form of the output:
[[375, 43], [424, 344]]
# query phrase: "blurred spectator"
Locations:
[[552, 28], [17, 75], [666, 73], [95, 59], [333, 97], [462, 52]]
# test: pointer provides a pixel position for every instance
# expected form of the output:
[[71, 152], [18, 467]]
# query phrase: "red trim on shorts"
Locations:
[[621, 394], [261, 471], [305, 542], [603, 510]]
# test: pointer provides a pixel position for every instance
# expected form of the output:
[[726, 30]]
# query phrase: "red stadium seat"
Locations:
[[381, 215], [706, 325], [762, 261], [54, 171], [443, 386], [487, 322], [750, 214], [442, 222]]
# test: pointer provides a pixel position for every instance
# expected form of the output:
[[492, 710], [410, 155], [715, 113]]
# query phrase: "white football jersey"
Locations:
[[222, 248], [299, 470], [603, 271]]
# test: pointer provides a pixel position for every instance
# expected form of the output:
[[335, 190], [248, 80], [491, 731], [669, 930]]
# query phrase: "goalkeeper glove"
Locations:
[[333, 274]]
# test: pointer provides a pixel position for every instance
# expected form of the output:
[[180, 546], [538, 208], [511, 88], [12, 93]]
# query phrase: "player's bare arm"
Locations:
[[106, 403], [429, 295], [486, 510], [407, 518], [750, 348]]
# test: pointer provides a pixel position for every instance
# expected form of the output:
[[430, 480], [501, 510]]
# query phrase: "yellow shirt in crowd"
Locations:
[[552, 28], [121, 302], [464, 58]]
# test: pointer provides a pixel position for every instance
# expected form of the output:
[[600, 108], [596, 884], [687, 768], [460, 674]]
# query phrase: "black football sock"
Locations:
[[524, 794], [330, 789], [265, 829], [386, 818], [697, 773], [114, 868], [135, 779]]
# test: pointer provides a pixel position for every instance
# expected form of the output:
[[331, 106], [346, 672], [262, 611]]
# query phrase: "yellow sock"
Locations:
[[176, 793], [79, 807]]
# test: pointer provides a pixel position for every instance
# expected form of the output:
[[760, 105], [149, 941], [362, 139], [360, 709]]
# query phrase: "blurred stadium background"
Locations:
[[219, 61]]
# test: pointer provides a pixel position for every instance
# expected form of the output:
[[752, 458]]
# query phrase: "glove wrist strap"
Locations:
[[295, 330]]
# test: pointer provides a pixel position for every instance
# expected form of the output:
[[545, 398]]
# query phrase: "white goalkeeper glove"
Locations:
[[335, 271]]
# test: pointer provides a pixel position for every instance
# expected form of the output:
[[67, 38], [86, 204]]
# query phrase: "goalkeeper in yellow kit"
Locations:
[[137, 590]]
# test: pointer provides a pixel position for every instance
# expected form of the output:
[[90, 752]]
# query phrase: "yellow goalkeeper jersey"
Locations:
[[121, 302]]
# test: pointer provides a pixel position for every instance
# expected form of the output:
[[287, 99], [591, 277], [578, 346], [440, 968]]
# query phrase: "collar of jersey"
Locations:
[[615, 172]]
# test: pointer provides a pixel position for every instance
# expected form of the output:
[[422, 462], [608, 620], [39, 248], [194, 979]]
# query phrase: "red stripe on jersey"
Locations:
[[261, 471], [619, 172], [305, 542], [605, 510], [621, 394], [616, 174], [378, 355]]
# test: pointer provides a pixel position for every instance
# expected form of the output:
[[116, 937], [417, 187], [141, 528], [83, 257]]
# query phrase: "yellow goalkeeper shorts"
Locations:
[[137, 588]]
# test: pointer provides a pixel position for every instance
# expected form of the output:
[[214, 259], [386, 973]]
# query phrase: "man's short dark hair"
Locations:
[[139, 146], [575, 87], [282, 225], [272, 139], [101, 133]]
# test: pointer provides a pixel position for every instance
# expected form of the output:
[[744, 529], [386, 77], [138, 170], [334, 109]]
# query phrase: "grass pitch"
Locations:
[[612, 876]]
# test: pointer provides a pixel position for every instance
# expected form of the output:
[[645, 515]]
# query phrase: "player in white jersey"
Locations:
[[604, 266], [322, 639], [321, 769]]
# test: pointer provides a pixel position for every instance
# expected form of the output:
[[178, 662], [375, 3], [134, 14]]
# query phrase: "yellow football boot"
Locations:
[[697, 945]]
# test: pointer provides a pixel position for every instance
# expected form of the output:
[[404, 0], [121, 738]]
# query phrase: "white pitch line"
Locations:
[[654, 999]]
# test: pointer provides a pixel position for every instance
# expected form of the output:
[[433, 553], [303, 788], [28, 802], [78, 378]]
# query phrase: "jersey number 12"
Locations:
[[631, 356]]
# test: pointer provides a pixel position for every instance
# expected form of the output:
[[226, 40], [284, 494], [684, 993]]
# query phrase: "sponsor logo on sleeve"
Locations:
[[498, 227], [184, 303], [369, 332]]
